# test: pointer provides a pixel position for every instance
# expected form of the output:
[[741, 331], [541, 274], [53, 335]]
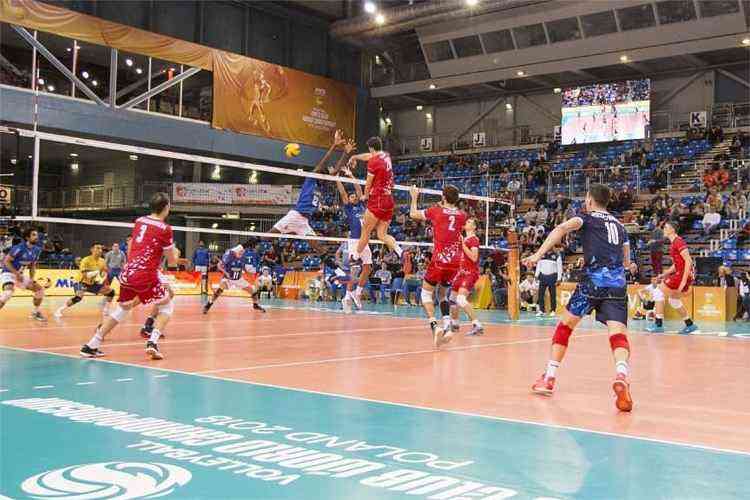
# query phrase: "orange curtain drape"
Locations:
[[250, 96]]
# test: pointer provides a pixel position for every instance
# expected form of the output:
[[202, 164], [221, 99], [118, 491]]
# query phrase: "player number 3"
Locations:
[[612, 235], [141, 233]]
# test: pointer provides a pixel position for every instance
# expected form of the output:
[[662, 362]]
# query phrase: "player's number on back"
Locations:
[[452, 223], [612, 235], [141, 233]]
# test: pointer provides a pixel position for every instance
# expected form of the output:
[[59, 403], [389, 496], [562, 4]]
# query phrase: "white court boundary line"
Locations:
[[393, 354], [405, 405]]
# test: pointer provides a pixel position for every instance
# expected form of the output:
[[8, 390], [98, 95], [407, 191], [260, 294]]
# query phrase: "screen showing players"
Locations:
[[606, 112]]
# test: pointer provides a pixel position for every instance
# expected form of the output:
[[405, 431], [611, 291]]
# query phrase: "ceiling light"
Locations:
[[380, 19], [508, 106], [428, 116], [215, 225], [85, 74], [388, 120], [51, 88], [13, 161], [69, 49], [73, 155], [41, 81], [419, 107], [746, 41], [557, 90], [624, 59], [74, 166], [94, 83], [520, 73], [30, 157], [370, 7], [129, 62], [472, 3], [134, 157], [138, 70], [433, 86]]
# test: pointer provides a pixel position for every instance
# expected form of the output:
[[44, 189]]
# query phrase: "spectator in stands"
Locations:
[[726, 279], [385, 277], [711, 220], [744, 234], [656, 248], [736, 145], [715, 201], [716, 135], [732, 208], [271, 259]]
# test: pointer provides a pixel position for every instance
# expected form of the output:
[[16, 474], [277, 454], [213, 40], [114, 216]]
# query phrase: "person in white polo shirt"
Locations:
[[548, 272]]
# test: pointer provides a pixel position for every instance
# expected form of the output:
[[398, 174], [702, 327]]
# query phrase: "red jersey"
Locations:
[[447, 224], [151, 237], [380, 166], [468, 265], [677, 246]]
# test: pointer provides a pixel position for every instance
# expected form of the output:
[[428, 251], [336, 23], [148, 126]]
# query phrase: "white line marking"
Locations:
[[85, 383], [244, 337], [124, 380], [390, 355], [4, 390], [161, 376], [43, 387], [405, 405]]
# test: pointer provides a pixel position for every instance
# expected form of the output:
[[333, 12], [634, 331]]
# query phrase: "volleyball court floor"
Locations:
[[308, 403]]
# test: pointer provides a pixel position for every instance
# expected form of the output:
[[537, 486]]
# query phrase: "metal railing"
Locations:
[[100, 196]]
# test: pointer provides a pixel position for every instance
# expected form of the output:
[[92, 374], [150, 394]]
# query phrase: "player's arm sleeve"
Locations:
[[167, 238]]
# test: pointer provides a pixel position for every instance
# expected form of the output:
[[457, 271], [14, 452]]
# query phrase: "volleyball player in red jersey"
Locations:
[[139, 280], [447, 221], [468, 275], [379, 196], [676, 283]]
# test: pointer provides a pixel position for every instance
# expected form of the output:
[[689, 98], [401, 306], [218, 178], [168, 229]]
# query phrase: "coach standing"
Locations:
[[114, 260], [548, 272]]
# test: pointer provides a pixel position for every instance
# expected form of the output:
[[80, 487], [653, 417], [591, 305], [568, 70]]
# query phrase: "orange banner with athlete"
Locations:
[[249, 96]]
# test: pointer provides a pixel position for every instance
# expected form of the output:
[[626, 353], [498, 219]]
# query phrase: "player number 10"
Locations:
[[612, 235]]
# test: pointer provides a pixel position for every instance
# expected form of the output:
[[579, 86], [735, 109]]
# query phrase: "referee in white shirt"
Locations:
[[548, 272]]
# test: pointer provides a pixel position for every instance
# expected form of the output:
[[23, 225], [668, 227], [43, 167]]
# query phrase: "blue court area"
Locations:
[[81, 429]]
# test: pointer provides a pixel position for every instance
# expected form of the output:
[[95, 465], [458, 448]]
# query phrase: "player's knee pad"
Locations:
[[110, 295], [6, 295], [619, 341], [461, 301], [445, 307], [118, 314], [675, 303], [562, 334], [166, 309], [39, 293], [219, 291], [75, 300], [426, 296], [657, 295]]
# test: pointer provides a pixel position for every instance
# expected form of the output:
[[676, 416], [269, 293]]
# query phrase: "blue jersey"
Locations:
[[309, 198], [233, 266], [201, 256], [603, 237], [354, 215], [251, 258], [23, 256]]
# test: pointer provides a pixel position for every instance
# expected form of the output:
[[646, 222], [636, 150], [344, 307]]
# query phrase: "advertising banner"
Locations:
[[231, 194]]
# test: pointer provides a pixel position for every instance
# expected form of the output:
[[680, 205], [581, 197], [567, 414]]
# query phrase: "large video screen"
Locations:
[[605, 112]]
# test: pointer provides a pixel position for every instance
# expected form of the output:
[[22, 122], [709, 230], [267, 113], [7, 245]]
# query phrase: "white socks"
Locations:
[[552, 367], [622, 368], [96, 340], [155, 334], [358, 291], [477, 323]]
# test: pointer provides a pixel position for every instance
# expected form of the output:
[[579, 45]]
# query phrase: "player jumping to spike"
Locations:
[[675, 284], [468, 275], [379, 196], [93, 274], [297, 220], [447, 221], [20, 257], [606, 254], [140, 284], [232, 267]]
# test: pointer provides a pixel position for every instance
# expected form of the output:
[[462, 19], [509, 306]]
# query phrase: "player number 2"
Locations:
[[141, 233], [612, 235], [452, 224]]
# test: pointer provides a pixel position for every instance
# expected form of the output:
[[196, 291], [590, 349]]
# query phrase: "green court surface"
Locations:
[[83, 429]]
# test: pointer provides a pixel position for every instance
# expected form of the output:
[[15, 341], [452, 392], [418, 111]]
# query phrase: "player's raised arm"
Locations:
[[357, 187], [414, 211], [554, 238], [338, 140]]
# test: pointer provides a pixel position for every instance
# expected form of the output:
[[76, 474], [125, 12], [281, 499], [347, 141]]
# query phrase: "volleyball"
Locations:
[[292, 149]]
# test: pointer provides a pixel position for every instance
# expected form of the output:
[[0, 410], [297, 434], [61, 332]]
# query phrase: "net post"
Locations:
[[487, 223], [35, 181], [514, 269]]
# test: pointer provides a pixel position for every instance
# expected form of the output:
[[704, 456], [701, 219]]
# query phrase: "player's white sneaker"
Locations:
[[37, 316], [59, 312], [539, 313], [437, 336], [357, 301], [347, 303]]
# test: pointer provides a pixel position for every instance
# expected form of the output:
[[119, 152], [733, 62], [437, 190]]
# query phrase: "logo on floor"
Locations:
[[111, 480]]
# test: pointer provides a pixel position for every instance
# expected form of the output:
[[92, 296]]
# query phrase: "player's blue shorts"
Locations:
[[611, 304], [112, 274]]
